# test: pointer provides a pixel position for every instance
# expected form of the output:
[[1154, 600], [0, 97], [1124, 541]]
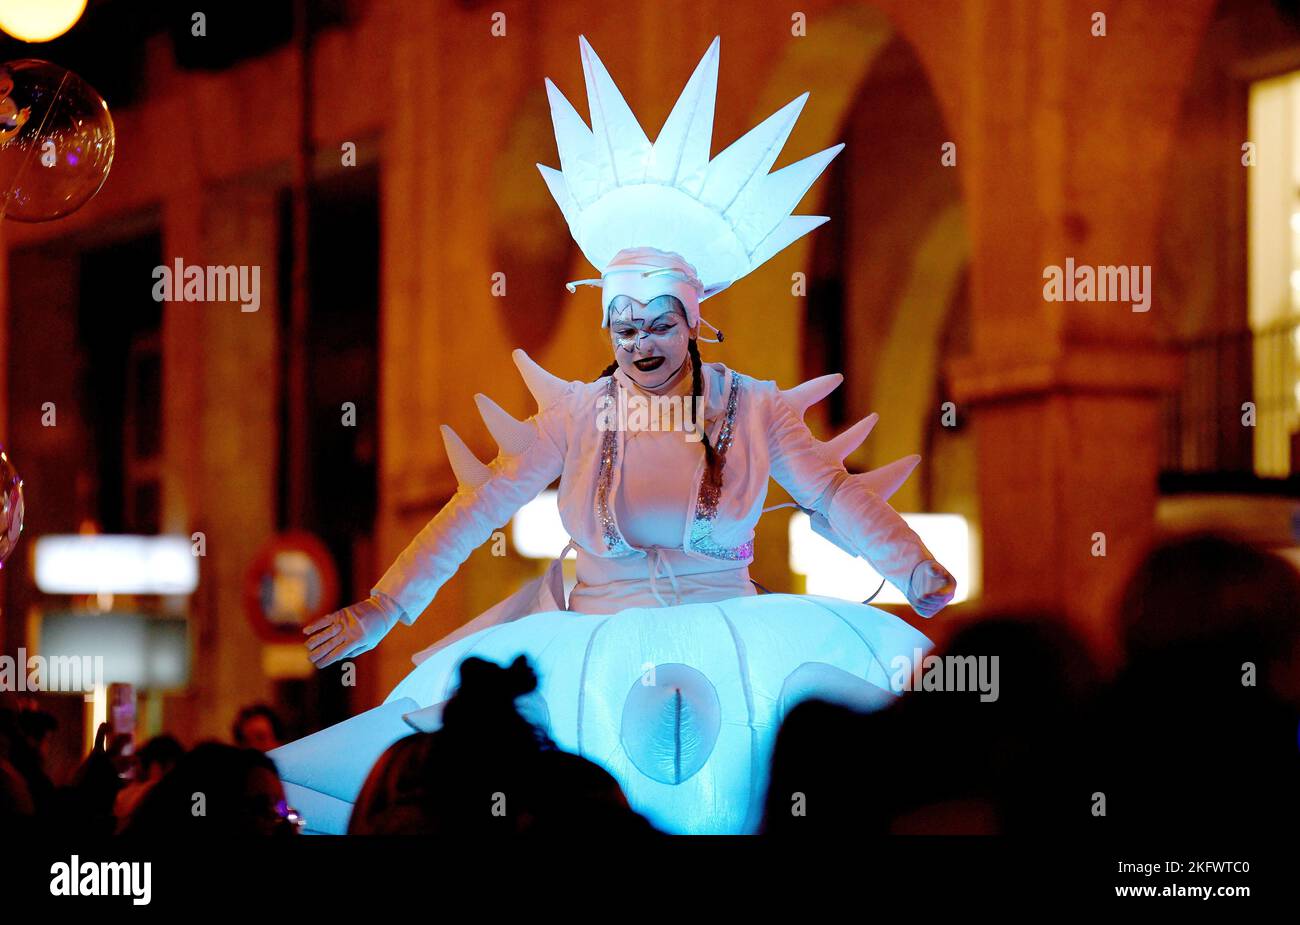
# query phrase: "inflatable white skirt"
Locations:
[[681, 704]]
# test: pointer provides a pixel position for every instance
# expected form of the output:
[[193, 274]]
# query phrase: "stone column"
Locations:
[[222, 424], [1064, 143]]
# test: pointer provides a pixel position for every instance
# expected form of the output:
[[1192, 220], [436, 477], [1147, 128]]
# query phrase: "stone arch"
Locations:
[[889, 267]]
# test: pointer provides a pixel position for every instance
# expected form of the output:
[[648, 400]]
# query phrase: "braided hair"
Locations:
[[712, 459]]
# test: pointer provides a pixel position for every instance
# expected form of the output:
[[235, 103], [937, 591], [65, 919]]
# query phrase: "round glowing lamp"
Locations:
[[39, 20]]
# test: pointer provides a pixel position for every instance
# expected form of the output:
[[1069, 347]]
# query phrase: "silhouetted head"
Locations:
[[1207, 587], [485, 705], [488, 770], [257, 726], [215, 789], [158, 756], [398, 797], [1197, 731], [984, 741]]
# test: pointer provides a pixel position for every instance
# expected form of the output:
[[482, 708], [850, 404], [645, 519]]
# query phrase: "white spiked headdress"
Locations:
[[725, 217]]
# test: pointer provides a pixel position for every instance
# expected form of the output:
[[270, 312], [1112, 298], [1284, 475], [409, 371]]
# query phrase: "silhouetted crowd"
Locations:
[[1198, 730]]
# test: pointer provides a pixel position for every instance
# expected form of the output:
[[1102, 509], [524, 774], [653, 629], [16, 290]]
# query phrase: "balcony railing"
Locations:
[[1207, 428]]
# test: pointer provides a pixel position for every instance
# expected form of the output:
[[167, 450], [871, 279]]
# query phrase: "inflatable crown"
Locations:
[[726, 216]]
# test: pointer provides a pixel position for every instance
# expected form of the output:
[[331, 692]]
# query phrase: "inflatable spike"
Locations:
[[512, 436], [806, 394], [888, 478], [545, 388], [470, 471], [839, 447]]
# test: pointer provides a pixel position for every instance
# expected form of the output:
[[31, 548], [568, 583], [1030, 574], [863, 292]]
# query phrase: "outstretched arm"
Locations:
[[437, 551], [531, 457], [849, 509], [466, 522]]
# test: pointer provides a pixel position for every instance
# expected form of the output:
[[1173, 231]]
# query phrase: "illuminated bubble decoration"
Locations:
[[56, 141], [11, 506], [39, 20]]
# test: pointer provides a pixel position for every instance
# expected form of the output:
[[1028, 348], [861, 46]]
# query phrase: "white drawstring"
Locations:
[[786, 504], [657, 558], [710, 340], [572, 544]]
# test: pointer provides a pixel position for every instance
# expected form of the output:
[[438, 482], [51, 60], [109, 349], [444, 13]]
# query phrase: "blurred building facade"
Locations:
[[986, 141]]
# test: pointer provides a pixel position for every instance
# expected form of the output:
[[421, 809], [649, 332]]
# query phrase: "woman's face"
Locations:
[[650, 341]]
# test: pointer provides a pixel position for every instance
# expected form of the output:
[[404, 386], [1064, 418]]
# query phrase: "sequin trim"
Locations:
[[706, 505], [614, 541]]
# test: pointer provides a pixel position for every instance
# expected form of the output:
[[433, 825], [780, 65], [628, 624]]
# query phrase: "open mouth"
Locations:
[[648, 363]]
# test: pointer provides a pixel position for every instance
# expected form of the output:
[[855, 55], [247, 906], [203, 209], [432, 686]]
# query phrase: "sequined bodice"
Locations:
[[659, 464], [703, 508]]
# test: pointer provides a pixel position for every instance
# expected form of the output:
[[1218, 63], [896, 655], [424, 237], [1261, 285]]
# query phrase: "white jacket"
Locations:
[[758, 427]]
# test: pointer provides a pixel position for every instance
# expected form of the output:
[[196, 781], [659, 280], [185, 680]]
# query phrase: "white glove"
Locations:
[[931, 588], [875, 531], [352, 630]]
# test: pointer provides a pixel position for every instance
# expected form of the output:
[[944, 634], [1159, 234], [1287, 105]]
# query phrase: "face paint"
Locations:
[[650, 340]]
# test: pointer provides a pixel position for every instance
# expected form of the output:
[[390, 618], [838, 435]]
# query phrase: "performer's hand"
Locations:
[[352, 630], [931, 589]]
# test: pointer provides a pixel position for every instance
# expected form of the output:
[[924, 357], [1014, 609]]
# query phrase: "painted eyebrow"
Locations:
[[671, 315]]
